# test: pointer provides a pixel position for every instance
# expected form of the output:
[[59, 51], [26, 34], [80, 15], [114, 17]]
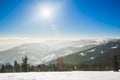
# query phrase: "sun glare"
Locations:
[[46, 12]]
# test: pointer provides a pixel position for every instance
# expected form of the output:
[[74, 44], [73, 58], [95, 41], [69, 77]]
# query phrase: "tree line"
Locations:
[[58, 66]]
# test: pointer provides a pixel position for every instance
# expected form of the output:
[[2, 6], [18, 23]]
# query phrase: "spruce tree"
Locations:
[[15, 66], [24, 64], [2, 68], [115, 63]]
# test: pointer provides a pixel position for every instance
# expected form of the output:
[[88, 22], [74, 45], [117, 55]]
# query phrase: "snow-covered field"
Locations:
[[75, 75]]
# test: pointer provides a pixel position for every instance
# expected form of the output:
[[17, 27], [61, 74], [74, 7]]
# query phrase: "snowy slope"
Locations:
[[43, 52], [75, 75], [34, 51]]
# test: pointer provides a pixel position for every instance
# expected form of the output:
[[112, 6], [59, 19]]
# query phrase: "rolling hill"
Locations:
[[40, 53]]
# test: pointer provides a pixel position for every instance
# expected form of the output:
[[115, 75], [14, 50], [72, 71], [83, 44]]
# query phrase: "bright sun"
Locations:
[[46, 12]]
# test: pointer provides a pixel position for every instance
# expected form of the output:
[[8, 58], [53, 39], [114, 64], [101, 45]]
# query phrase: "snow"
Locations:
[[22, 48], [114, 47], [68, 52], [82, 45], [23, 52], [74, 75], [48, 58], [91, 50], [92, 58], [102, 52], [82, 54], [79, 46]]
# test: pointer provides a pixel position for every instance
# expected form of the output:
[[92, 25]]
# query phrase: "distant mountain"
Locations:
[[39, 53], [58, 44], [100, 55], [67, 51], [34, 51]]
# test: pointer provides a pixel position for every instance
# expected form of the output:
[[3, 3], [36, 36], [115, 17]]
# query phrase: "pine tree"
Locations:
[[59, 64], [115, 63], [2, 68], [25, 64], [16, 66]]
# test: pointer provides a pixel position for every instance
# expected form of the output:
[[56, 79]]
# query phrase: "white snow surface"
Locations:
[[92, 58], [91, 50], [102, 52], [73, 75], [114, 47], [82, 54]]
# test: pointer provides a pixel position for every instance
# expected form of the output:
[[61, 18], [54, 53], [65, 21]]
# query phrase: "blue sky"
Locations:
[[69, 18]]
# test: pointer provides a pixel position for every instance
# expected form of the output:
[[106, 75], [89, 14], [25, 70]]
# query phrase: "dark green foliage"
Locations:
[[2, 68], [16, 67], [32, 68], [115, 63], [8, 67], [25, 65], [101, 61]]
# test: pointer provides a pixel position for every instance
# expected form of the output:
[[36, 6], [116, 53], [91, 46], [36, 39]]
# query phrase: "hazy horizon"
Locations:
[[8, 43]]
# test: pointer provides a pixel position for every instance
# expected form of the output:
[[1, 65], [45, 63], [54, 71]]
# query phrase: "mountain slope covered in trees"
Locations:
[[100, 56]]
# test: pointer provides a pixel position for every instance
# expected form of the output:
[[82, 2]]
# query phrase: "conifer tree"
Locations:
[[2, 68], [16, 68], [24, 64], [115, 63]]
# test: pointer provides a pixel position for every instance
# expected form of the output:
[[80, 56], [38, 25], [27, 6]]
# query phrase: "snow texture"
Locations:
[[114, 47], [92, 58], [82, 54], [102, 52], [91, 50], [75, 75]]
